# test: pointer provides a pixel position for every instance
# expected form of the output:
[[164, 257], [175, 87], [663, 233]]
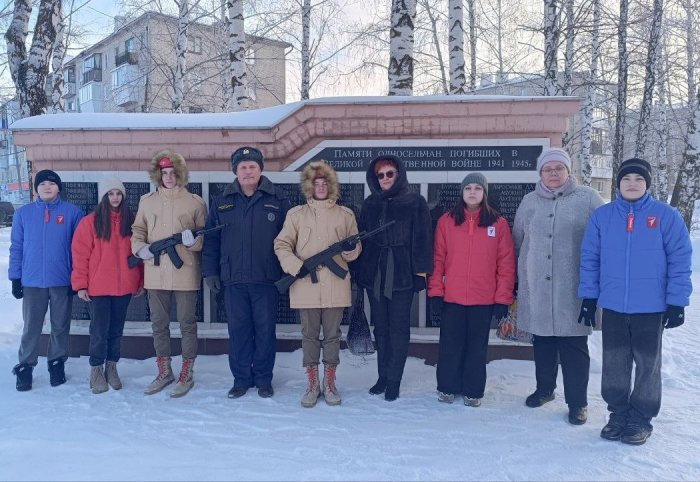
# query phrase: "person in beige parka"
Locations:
[[171, 209], [309, 229]]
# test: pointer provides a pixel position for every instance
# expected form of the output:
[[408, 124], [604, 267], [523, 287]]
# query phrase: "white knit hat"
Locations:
[[554, 154], [107, 184]]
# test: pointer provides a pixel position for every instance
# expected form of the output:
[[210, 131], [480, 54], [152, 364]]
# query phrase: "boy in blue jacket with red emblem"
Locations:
[[636, 265], [40, 269]]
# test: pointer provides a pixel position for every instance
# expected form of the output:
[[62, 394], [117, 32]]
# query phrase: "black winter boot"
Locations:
[[635, 434], [578, 415], [537, 399], [57, 374], [24, 376], [392, 391], [378, 387]]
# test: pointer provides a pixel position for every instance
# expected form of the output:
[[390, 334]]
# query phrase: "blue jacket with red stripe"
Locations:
[[636, 257], [40, 249]]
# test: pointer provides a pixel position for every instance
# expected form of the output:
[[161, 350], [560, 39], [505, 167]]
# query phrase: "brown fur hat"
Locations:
[[179, 164], [315, 170]]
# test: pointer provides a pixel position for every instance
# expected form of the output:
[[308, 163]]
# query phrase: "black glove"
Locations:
[[17, 290], [348, 244], [419, 283], [588, 307], [674, 316], [436, 303], [214, 283], [500, 311], [303, 272]]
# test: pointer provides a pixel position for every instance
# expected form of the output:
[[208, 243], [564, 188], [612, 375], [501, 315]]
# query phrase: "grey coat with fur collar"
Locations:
[[548, 231]]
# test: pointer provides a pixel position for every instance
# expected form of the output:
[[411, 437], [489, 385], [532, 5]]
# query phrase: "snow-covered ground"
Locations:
[[67, 433]]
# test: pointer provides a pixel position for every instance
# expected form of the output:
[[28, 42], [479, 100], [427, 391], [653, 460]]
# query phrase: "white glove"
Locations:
[[145, 253], [187, 237]]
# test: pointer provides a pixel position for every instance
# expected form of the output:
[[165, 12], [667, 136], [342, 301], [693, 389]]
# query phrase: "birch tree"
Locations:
[[687, 188], [401, 56], [569, 50], [471, 8], [181, 53], [621, 109], [59, 53], [29, 69], [589, 103], [649, 78], [458, 79], [305, 52], [236, 51], [660, 190], [551, 44]]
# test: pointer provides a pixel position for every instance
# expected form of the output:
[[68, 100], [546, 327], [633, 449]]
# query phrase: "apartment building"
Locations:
[[132, 69], [601, 148]]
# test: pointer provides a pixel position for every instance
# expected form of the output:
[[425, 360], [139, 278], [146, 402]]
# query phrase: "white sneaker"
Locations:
[[445, 397], [472, 402]]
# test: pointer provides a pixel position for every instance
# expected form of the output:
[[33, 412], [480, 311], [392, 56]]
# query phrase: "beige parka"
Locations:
[[308, 230], [160, 215]]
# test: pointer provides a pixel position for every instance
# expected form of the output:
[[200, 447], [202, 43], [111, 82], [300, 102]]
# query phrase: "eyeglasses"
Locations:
[[558, 170], [388, 174]]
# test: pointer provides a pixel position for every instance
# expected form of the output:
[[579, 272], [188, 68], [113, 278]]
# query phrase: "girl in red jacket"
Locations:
[[474, 273], [102, 278]]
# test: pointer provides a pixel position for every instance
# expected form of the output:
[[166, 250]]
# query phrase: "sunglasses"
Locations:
[[388, 174]]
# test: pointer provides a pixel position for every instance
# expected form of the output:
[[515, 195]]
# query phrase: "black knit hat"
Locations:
[[47, 175], [635, 166], [246, 154]]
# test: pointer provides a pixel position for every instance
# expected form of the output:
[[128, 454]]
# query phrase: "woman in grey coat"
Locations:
[[547, 231]]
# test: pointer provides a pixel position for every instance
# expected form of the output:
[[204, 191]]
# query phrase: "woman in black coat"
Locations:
[[393, 264]]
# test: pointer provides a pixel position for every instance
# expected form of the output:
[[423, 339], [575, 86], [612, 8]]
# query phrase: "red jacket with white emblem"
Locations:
[[473, 265], [101, 266]]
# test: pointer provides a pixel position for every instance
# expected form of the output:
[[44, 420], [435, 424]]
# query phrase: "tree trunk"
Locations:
[[236, 49], [29, 70], [551, 43], [687, 189], [58, 104], [305, 38], [181, 53], [689, 7], [590, 101], [662, 168], [401, 57], [472, 45], [621, 112], [649, 78], [458, 80]]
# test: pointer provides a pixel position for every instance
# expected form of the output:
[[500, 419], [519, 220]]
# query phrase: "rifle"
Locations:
[[325, 257], [168, 245]]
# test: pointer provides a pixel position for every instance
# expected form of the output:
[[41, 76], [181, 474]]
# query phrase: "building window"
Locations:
[[130, 45], [250, 56], [252, 92], [119, 77], [194, 44], [92, 62], [70, 74], [85, 94], [70, 105], [196, 110], [598, 139], [599, 186]]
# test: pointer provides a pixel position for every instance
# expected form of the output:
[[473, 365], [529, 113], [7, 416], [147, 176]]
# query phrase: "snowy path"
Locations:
[[66, 433]]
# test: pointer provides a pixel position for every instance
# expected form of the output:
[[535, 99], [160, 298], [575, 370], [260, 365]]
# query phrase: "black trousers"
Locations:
[[464, 343], [631, 339], [392, 332], [108, 314], [575, 365]]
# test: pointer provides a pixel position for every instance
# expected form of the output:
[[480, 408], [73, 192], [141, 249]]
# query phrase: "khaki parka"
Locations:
[[160, 215], [308, 230]]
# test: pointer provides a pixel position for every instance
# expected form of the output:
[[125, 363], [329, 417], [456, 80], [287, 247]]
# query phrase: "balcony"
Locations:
[[126, 95], [131, 58], [92, 75], [69, 89]]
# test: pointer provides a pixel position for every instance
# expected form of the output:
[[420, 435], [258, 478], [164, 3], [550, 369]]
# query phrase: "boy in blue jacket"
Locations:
[[636, 265], [40, 269]]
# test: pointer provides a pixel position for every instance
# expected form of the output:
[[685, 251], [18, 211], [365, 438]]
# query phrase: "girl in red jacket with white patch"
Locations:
[[103, 279], [472, 280]]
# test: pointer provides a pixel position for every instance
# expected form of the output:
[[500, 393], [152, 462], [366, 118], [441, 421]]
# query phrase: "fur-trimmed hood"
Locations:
[[317, 169], [180, 166]]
